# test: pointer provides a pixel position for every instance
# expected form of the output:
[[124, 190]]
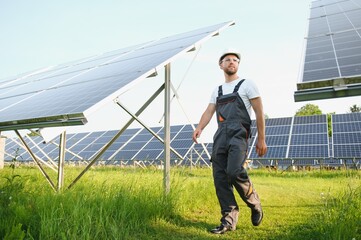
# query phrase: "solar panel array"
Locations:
[[298, 138], [133, 144], [66, 94], [333, 50], [346, 135]]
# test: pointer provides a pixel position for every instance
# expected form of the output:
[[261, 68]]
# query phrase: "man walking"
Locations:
[[232, 102]]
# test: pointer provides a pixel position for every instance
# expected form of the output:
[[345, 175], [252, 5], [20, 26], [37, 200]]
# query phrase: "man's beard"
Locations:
[[230, 72]]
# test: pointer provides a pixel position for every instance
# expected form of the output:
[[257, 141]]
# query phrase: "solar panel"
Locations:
[[309, 137], [68, 93], [346, 137], [277, 137], [332, 61]]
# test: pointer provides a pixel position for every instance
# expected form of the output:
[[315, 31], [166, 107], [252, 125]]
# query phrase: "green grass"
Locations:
[[128, 203]]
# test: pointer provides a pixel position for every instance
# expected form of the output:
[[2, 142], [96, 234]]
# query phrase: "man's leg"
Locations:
[[243, 184], [224, 192]]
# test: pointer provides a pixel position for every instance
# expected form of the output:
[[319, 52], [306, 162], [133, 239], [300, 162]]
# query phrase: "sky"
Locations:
[[269, 34]]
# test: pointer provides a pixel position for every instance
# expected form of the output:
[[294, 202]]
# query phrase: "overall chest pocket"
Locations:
[[225, 100]]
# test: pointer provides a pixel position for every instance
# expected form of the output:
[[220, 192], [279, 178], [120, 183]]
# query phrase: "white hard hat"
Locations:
[[230, 51]]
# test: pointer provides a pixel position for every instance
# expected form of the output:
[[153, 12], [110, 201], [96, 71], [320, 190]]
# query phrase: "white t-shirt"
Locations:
[[248, 90]]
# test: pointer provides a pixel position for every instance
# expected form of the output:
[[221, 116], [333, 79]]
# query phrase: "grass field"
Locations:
[[128, 203]]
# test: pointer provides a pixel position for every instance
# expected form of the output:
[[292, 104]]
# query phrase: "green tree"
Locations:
[[329, 123], [308, 109], [355, 108]]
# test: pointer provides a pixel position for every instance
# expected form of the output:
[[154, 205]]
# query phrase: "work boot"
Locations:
[[222, 229], [257, 215]]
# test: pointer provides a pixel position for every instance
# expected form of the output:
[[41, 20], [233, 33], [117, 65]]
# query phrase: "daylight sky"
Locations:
[[269, 34]]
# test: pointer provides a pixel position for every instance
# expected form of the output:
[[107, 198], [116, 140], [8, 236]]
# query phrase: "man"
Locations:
[[232, 102]]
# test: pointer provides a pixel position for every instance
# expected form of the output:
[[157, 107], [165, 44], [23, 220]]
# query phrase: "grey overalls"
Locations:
[[229, 153]]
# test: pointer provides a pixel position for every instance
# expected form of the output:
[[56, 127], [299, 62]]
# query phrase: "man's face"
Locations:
[[229, 64]]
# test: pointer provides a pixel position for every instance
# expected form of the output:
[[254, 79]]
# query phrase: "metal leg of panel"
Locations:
[[36, 160]]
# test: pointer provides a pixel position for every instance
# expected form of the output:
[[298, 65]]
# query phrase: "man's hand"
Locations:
[[196, 134], [261, 148]]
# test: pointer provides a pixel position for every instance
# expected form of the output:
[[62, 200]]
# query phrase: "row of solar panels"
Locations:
[[303, 137], [308, 137]]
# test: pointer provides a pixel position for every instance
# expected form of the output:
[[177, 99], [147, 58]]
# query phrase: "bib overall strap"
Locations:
[[220, 91], [238, 85]]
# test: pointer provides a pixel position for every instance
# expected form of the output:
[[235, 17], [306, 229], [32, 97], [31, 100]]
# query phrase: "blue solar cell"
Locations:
[[310, 119], [135, 145], [181, 144], [115, 146], [93, 147], [145, 137], [309, 139], [309, 128], [149, 154], [184, 135], [77, 148], [346, 127], [278, 121], [273, 152], [181, 151], [347, 117], [277, 140], [107, 155], [154, 144], [347, 138], [347, 151], [310, 151], [280, 130], [125, 155]]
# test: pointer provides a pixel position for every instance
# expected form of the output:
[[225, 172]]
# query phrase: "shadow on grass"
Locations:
[[181, 228], [274, 226]]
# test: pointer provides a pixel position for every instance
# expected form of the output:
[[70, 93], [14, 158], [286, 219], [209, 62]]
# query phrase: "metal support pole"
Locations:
[[105, 147], [2, 151], [36, 160], [61, 160], [134, 116], [166, 178], [191, 159]]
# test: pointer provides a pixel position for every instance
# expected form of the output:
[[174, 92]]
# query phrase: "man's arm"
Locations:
[[261, 147], [206, 117]]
